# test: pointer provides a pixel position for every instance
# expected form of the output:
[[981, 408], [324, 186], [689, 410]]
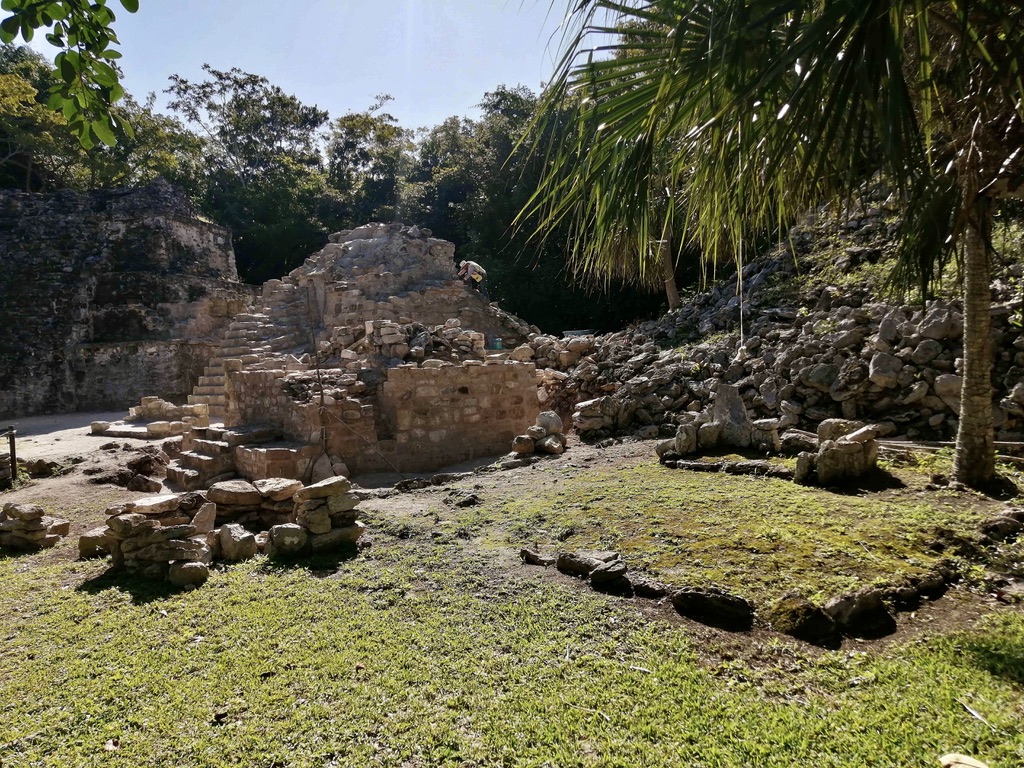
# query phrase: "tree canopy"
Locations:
[[86, 85]]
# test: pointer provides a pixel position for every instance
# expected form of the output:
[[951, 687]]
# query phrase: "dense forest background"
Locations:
[[283, 175]]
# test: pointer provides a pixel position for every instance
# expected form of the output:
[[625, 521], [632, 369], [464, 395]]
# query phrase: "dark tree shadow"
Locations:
[[999, 656], [1002, 488], [321, 565], [875, 481], [141, 589]]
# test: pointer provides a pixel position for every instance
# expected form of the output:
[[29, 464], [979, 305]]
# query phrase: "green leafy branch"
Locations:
[[88, 80]]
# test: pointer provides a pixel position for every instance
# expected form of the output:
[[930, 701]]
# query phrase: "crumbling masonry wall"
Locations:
[[416, 419], [108, 296]]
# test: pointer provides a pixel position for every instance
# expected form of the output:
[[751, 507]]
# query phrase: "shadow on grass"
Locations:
[[141, 589], [875, 481], [1002, 488], [999, 656], [320, 566]]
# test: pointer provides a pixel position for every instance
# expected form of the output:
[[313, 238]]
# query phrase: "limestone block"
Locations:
[[25, 512], [550, 422], [551, 444], [523, 444], [234, 492], [833, 429], [324, 489], [154, 505], [316, 520], [322, 469], [95, 542], [286, 540], [337, 538], [130, 524], [157, 429], [885, 370], [839, 462], [206, 518], [277, 488], [948, 387], [188, 574], [236, 543], [56, 526], [342, 502]]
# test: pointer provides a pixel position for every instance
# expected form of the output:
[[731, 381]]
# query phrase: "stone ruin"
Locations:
[[842, 450], [369, 357], [27, 527], [176, 537], [117, 294]]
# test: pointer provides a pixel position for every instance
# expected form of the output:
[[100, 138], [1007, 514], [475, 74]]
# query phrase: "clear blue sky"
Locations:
[[436, 57]]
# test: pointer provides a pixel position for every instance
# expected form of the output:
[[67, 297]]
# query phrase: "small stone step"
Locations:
[[211, 381], [207, 466], [249, 435], [186, 479], [211, 400], [214, 390], [211, 447]]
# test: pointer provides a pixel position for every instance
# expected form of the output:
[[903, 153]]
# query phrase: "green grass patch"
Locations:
[[758, 536], [433, 648], [412, 656]]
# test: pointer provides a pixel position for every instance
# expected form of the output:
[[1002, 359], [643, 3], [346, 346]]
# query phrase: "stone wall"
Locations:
[[415, 419], [108, 296], [440, 416]]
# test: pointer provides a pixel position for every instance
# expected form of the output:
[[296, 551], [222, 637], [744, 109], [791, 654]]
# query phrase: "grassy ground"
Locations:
[[433, 649]]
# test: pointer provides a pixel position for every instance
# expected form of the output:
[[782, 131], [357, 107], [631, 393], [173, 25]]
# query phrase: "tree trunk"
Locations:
[[668, 273], [974, 462]]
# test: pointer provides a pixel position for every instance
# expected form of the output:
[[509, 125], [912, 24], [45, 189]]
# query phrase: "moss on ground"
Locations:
[[761, 537]]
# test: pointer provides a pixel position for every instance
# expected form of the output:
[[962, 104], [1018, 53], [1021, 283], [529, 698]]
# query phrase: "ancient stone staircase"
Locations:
[[207, 454], [277, 327]]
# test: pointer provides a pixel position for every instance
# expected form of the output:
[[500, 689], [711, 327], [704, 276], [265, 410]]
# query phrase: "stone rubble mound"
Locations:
[[176, 537], [545, 436], [27, 527], [828, 352], [154, 418], [393, 344]]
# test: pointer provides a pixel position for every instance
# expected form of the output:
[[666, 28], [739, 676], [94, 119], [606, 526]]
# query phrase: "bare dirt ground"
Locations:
[[75, 495]]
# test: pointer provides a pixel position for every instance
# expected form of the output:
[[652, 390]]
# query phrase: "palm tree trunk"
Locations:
[[974, 462], [668, 273]]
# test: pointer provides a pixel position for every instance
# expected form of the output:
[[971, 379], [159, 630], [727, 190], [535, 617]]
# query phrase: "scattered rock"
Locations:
[[861, 614], [797, 616], [714, 606]]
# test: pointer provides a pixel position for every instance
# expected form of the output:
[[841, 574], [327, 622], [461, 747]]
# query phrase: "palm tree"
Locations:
[[771, 106]]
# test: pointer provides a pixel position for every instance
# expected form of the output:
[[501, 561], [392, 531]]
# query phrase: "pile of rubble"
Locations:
[[801, 355], [154, 418], [178, 536], [325, 520], [545, 436], [392, 343], [28, 527]]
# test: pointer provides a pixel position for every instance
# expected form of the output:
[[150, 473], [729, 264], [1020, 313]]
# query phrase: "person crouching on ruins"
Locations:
[[473, 275]]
